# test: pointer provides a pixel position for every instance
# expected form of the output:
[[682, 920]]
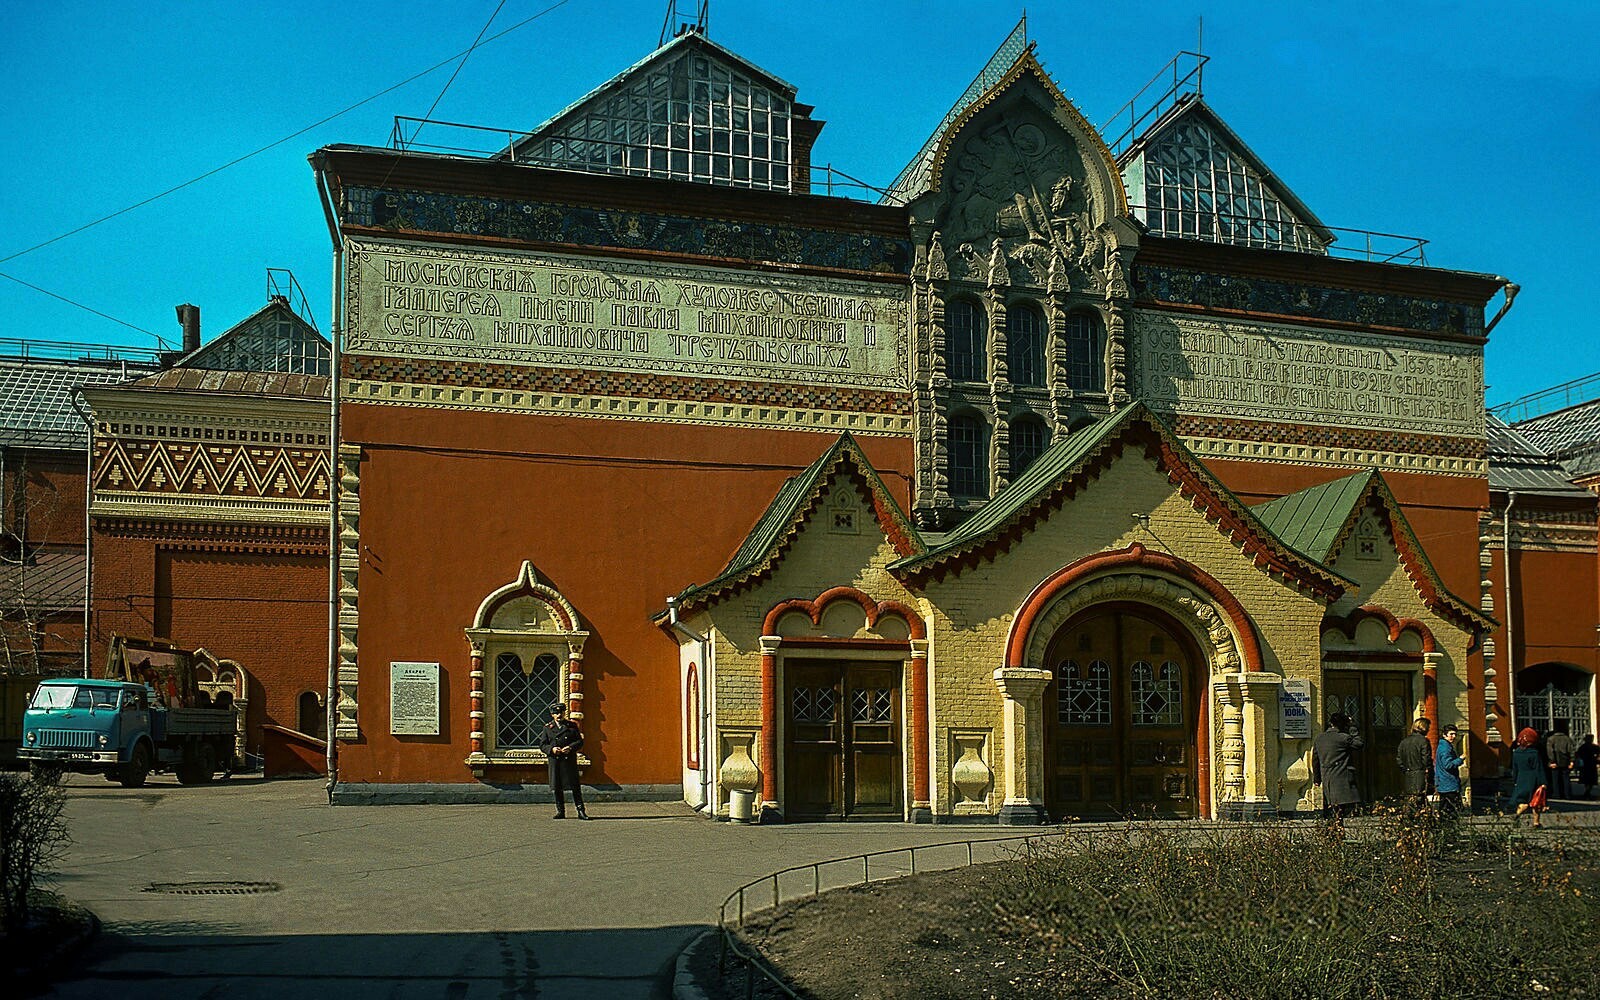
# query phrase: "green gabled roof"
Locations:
[[1038, 486], [798, 495], [1027, 490], [1313, 520], [1318, 520]]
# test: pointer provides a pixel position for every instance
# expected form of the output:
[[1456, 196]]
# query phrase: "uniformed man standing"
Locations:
[[560, 740]]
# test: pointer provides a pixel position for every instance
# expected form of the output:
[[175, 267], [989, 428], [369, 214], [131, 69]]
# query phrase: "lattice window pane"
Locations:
[[1029, 438], [969, 456], [814, 704], [861, 705], [1083, 698], [966, 341], [1086, 365], [1025, 345], [1157, 694]]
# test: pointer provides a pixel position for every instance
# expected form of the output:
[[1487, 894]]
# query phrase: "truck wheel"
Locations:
[[45, 774], [113, 775], [133, 773], [205, 765]]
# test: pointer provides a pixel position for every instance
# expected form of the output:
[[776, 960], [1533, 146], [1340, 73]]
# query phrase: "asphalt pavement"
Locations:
[[401, 902]]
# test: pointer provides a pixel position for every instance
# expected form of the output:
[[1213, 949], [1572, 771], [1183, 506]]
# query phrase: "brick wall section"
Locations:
[[265, 609]]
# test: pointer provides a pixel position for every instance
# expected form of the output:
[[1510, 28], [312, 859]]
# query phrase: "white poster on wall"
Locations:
[[1294, 710], [414, 699]]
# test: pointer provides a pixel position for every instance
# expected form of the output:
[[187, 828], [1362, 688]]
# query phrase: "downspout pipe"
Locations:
[[331, 705], [80, 405], [1511, 288], [1510, 616], [705, 703]]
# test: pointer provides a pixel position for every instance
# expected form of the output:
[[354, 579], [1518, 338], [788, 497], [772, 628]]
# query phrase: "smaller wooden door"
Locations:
[[1380, 706], [842, 740]]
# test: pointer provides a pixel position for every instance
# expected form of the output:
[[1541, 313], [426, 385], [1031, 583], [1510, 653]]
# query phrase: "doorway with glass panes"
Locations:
[[842, 740], [1123, 708]]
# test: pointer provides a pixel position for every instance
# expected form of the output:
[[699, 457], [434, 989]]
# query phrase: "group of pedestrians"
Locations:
[[1538, 772]]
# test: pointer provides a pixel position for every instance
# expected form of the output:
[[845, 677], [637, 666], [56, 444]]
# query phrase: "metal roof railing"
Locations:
[[1558, 397], [1213, 226], [18, 349], [1183, 67]]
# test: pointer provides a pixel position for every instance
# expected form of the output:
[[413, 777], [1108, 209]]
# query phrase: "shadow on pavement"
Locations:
[[176, 961]]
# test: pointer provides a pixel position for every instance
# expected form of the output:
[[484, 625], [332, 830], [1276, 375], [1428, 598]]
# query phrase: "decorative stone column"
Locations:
[[575, 679], [1249, 747], [475, 699], [769, 721], [1023, 688], [1430, 695], [921, 799]]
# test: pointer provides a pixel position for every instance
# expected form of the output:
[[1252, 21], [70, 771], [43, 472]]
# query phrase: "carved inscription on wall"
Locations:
[[1273, 372], [576, 312]]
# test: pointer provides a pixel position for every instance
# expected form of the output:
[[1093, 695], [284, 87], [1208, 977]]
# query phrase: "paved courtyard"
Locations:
[[473, 901]]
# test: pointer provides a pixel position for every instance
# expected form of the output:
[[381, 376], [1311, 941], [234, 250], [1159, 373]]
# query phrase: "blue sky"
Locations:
[[1454, 122]]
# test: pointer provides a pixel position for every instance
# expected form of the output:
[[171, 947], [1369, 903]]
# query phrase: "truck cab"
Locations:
[[94, 726]]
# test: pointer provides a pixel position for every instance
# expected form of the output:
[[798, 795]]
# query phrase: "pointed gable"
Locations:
[[1192, 177], [273, 339], [796, 501], [1072, 463], [692, 111], [1322, 520]]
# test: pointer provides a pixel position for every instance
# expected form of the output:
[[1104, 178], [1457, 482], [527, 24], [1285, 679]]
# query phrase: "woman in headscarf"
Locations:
[[1527, 773]]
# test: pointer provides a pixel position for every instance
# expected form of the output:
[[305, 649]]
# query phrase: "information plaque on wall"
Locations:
[[1294, 710], [414, 699]]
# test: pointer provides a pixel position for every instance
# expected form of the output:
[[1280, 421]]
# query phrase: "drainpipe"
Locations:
[[1510, 660], [335, 474], [79, 404], [1511, 289], [705, 702]]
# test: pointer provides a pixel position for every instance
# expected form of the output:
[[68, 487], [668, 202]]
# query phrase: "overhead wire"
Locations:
[[91, 309], [293, 135]]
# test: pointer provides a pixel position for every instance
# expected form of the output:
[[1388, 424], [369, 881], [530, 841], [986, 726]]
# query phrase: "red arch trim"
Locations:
[[1347, 624], [1134, 555], [873, 610]]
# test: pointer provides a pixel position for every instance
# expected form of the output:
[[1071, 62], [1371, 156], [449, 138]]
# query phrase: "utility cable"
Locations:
[[272, 145], [73, 302]]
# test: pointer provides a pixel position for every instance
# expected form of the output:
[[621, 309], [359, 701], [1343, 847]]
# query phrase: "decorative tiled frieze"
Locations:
[[545, 222], [1182, 286], [1358, 458], [625, 408]]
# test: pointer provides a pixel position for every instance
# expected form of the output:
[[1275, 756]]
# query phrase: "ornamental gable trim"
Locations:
[[796, 501], [1072, 463]]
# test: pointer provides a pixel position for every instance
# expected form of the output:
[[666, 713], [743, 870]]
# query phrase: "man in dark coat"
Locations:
[[560, 740], [1415, 757], [1333, 766], [1558, 749]]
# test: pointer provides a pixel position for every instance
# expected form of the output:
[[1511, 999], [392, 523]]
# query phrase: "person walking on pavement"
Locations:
[[1415, 757], [1527, 773], [1447, 772], [1559, 748], [560, 740], [1588, 757], [1333, 767]]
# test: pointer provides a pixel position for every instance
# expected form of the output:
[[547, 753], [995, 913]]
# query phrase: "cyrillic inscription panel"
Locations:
[[575, 312], [1268, 371]]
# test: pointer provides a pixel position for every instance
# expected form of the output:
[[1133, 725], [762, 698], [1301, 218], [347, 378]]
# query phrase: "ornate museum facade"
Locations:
[[1061, 481]]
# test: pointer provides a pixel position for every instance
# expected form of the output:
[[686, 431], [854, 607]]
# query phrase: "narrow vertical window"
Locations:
[[969, 466], [966, 341], [1086, 366], [1025, 345], [1029, 438]]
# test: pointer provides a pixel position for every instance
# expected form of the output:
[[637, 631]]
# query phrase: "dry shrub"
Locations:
[[1391, 907], [33, 836]]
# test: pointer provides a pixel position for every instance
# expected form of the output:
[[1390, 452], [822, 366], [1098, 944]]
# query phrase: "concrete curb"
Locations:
[[684, 984]]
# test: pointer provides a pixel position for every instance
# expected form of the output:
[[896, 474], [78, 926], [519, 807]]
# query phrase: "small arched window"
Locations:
[[310, 719], [521, 696], [1086, 348], [691, 704], [1025, 345], [1029, 438], [966, 341], [969, 460]]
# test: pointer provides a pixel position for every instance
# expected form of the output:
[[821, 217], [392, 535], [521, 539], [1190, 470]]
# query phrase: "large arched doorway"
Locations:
[[1122, 710], [1555, 696]]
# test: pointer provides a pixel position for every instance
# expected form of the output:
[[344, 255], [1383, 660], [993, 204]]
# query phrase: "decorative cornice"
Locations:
[[188, 507], [1335, 457]]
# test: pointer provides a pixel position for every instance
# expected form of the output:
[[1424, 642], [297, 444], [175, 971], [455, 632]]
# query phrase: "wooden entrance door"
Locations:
[[1381, 707], [1123, 709], [842, 747]]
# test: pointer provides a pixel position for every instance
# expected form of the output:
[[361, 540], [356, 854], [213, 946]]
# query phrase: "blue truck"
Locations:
[[149, 719]]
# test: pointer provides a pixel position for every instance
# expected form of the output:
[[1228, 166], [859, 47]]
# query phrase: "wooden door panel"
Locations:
[[874, 780], [1380, 707], [813, 757]]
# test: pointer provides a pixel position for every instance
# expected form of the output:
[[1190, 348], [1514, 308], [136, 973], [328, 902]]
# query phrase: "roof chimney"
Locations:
[[189, 318]]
